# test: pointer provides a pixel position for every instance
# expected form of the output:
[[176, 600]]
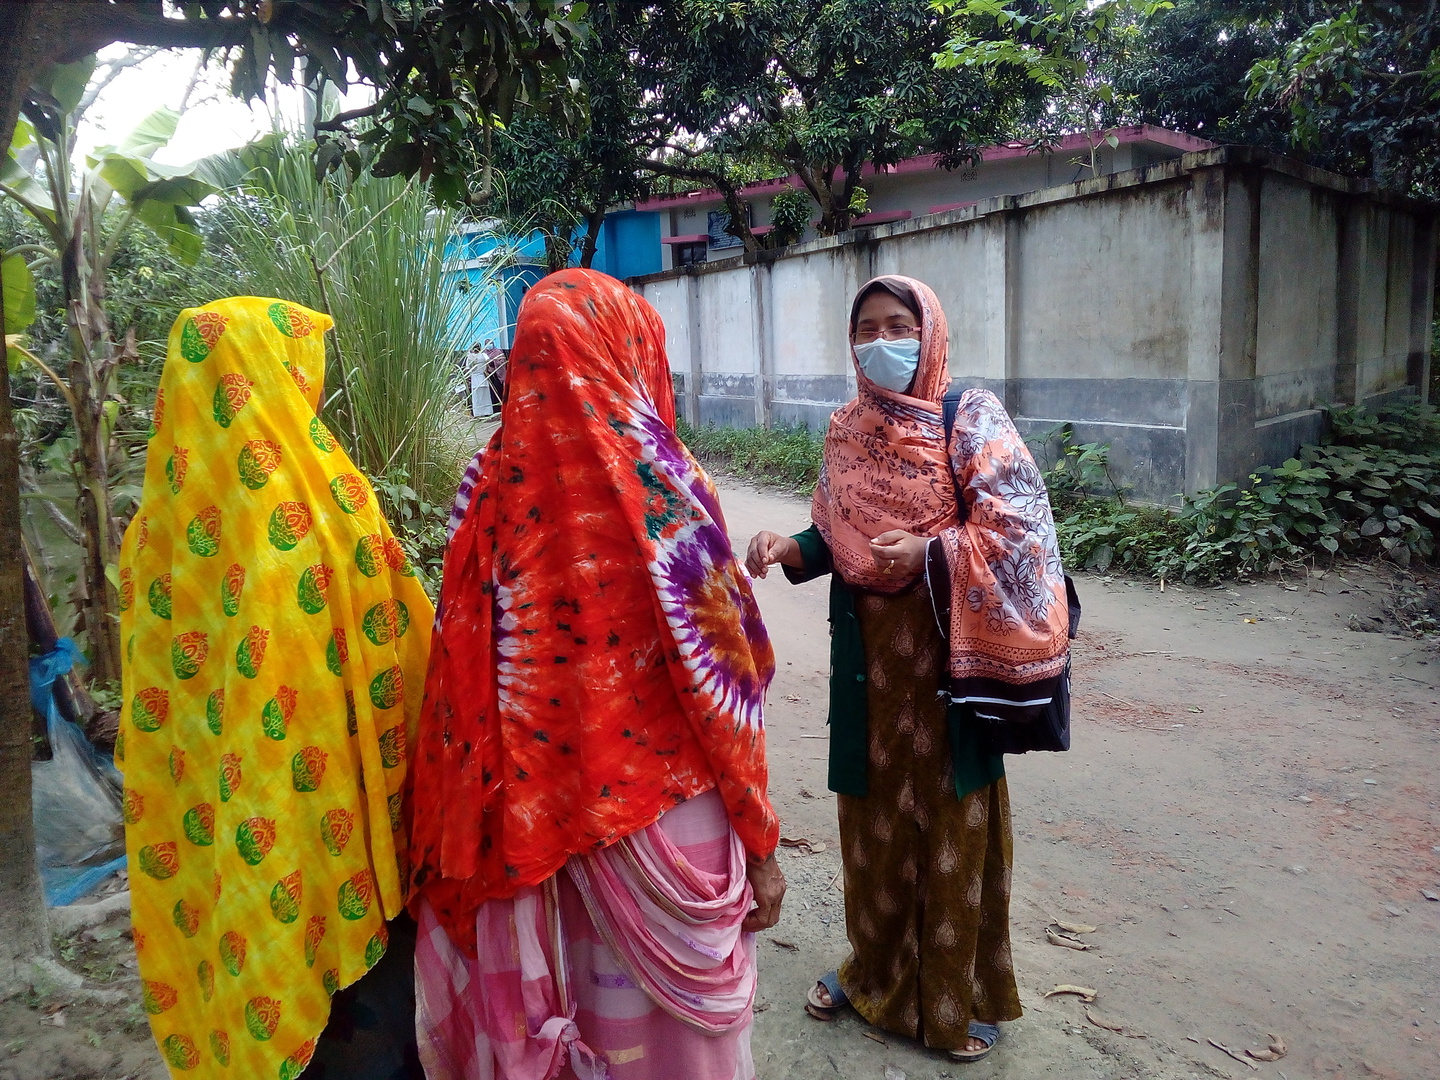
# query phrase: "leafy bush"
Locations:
[[790, 212], [788, 456], [419, 526], [1372, 489]]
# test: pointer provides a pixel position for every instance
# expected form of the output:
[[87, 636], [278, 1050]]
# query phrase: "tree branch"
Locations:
[[117, 24], [339, 120], [115, 67]]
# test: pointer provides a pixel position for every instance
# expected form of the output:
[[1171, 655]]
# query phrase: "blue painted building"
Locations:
[[503, 269]]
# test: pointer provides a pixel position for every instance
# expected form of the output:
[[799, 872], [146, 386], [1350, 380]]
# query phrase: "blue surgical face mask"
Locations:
[[890, 364]]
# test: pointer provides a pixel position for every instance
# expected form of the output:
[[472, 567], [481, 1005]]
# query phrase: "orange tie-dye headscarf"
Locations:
[[599, 655], [888, 465]]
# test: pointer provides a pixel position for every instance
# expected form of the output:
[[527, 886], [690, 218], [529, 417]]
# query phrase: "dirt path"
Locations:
[[1248, 815]]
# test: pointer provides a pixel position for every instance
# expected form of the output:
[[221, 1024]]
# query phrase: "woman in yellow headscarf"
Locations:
[[276, 640]]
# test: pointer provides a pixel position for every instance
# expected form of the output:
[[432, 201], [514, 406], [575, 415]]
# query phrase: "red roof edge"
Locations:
[[1134, 133]]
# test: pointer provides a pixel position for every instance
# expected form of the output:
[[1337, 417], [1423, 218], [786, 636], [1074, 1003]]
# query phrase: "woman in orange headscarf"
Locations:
[[593, 842], [906, 517]]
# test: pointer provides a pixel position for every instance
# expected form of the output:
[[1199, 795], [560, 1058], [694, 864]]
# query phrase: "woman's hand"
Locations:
[[767, 882], [899, 554], [767, 549]]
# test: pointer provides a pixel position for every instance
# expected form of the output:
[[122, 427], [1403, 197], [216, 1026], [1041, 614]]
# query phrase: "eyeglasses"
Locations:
[[890, 333]]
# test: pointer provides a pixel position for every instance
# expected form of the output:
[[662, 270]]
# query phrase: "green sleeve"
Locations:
[[816, 556]]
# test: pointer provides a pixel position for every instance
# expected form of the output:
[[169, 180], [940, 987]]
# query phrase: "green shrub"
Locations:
[[788, 455], [1373, 488]]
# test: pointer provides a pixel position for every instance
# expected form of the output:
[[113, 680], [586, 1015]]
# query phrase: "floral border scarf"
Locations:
[[599, 655], [1009, 625], [275, 641], [887, 466]]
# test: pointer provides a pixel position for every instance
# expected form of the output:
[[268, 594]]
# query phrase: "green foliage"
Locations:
[[419, 526], [1372, 489], [820, 88], [1190, 72], [1361, 87], [790, 212], [440, 68], [786, 456], [1071, 48], [371, 252]]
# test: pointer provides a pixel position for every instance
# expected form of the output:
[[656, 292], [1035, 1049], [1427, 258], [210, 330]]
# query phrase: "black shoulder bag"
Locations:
[[1012, 718]]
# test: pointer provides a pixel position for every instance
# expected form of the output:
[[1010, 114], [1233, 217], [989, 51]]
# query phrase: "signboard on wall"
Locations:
[[716, 221]]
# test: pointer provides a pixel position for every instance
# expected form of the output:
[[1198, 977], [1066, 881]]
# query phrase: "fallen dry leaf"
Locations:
[[1429, 895], [1084, 992], [1233, 1053], [1111, 1025], [1277, 1050], [806, 793], [794, 841], [815, 849], [794, 699], [874, 1038], [1065, 942], [1074, 927], [761, 1007], [785, 944]]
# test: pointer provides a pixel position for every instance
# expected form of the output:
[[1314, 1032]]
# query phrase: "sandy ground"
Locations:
[[1248, 816]]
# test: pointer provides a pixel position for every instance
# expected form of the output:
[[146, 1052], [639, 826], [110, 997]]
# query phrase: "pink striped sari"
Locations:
[[626, 965]]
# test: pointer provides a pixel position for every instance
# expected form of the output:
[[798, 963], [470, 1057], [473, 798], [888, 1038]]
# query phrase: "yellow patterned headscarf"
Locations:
[[276, 641]]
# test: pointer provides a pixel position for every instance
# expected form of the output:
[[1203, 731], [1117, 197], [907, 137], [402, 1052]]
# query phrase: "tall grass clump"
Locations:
[[372, 253], [788, 456]]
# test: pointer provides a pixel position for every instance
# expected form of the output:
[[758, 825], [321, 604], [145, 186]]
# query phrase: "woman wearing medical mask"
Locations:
[[905, 517]]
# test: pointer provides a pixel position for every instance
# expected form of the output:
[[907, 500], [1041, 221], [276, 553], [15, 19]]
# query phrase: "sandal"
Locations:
[[986, 1033], [830, 983]]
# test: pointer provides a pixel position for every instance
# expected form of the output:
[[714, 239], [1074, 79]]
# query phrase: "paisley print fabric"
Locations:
[[599, 655], [927, 875], [887, 466], [884, 465], [271, 684]]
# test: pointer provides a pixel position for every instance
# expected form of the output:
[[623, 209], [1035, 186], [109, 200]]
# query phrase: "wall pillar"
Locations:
[[1352, 238], [692, 334], [762, 316], [997, 366], [1235, 449], [1422, 307], [1208, 225]]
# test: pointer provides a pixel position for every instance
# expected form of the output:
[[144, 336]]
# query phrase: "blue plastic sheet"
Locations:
[[79, 830]]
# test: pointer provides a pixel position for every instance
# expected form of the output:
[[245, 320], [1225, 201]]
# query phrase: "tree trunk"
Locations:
[[594, 220], [23, 935], [557, 253], [91, 364]]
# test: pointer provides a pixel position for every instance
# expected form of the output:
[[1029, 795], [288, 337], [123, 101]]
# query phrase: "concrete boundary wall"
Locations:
[[1196, 314]]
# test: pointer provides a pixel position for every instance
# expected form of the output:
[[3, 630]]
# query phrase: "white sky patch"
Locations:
[[213, 120]]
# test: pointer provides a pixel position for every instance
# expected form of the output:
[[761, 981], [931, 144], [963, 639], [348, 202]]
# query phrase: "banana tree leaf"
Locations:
[[67, 82], [24, 135], [229, 168], [154, 132], [126, 175], [176, 226], [177, 191], [14, 177], [19, 292]]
